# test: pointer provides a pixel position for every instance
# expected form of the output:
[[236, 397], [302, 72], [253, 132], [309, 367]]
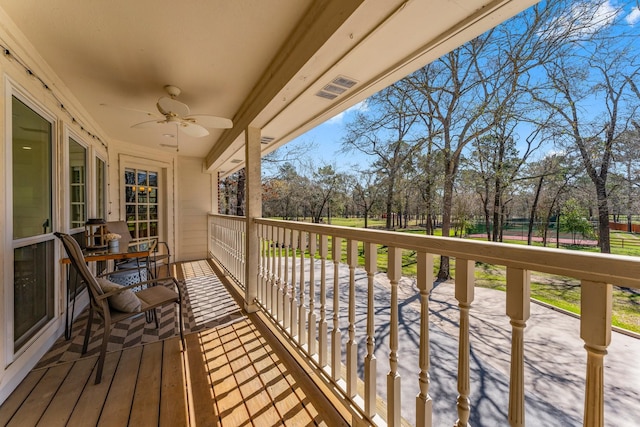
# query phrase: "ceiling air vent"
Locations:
[[266, 139], [336, 87], [236, 161]]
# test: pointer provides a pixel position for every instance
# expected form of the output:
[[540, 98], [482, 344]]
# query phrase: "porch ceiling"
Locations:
[[258, 62]]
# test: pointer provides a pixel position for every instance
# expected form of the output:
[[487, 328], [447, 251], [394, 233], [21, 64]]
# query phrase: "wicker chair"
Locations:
[[101, 302]]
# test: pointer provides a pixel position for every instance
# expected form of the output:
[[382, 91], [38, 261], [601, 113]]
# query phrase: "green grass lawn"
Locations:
[[558, 291]]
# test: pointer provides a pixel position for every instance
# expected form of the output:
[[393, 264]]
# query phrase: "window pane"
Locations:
[[129, 177], [143, 230], [131, 213], [153, 212], [32, 289], [153, 228], [130, 195], [77, 179], [32, 136], [142, 213], [153, 195], [153, 179], [142, 195], [142, 178]]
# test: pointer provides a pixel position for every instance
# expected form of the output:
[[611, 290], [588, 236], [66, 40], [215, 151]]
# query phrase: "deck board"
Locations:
[[20, 394], [203, 409], [146, 400], [63, 403], [122, 389], [173, 409], [91, 401], [227, 376], [39, 398]]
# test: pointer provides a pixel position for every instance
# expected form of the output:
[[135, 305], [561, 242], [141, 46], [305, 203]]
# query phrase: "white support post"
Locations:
[[253, 210], [394, 272], [424, 404], [464, 294], [595, 330]]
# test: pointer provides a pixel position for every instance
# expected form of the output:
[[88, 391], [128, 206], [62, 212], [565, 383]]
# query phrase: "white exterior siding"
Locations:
[[195, 189]]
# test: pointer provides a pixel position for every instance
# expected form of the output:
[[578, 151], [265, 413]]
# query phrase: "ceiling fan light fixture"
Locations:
[[176, 112]]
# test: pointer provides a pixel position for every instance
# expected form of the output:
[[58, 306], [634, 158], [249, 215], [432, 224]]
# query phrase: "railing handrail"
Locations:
[[620, 270], [231, 217]]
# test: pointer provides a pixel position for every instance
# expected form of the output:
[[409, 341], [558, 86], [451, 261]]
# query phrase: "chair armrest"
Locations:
[[124, 288]]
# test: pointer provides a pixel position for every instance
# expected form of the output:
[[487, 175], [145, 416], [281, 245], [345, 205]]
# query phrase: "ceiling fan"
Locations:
[[178, 113]]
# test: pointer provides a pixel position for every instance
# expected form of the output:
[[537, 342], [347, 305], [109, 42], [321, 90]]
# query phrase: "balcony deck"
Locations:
[[229, 374]]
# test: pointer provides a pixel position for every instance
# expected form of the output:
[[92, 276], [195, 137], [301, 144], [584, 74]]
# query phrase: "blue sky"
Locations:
[[327, 141], [326, 138]]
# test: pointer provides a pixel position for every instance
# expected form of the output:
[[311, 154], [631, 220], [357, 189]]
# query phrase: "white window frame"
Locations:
[[70, 134]]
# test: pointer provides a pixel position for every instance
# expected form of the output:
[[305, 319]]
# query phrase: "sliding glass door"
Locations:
[[33, 207]]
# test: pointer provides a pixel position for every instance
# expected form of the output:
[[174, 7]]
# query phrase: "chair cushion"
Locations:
[[156, 296], [125, 301]]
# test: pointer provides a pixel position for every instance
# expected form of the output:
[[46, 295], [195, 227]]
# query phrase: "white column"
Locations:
[[253, 210]]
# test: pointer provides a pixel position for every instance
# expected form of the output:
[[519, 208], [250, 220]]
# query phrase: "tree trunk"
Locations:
[[389, 201], [534, 207], [443, 272], [604, 241], [240, 193]]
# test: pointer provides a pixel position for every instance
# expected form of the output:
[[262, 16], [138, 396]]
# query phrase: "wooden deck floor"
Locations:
[[228, 376]]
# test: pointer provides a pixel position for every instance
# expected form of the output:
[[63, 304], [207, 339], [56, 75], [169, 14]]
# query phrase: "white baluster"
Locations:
[[595, 331], [352, 345], [336, 334], [312, 294], [302, 310], [281, 282], [518, 310], [370, 362], [286, 303], [394, 272], [322, 335], [464, 294], [274, 284], [424, 281], [291, 295]]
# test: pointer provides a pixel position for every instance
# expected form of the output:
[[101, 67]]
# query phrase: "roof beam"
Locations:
[[320, 22]]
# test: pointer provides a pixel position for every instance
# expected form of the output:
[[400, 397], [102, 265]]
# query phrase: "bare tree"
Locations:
[[387, 133], [366, 193], [596, 72]]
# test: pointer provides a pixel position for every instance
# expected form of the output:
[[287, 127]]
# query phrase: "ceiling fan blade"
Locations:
[[148, 124], [193, 129], [172, 106], [212, 122], [130, 109]]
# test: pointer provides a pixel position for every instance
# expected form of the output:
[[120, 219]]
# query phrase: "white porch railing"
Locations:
[[227, 244], [295, 289]]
